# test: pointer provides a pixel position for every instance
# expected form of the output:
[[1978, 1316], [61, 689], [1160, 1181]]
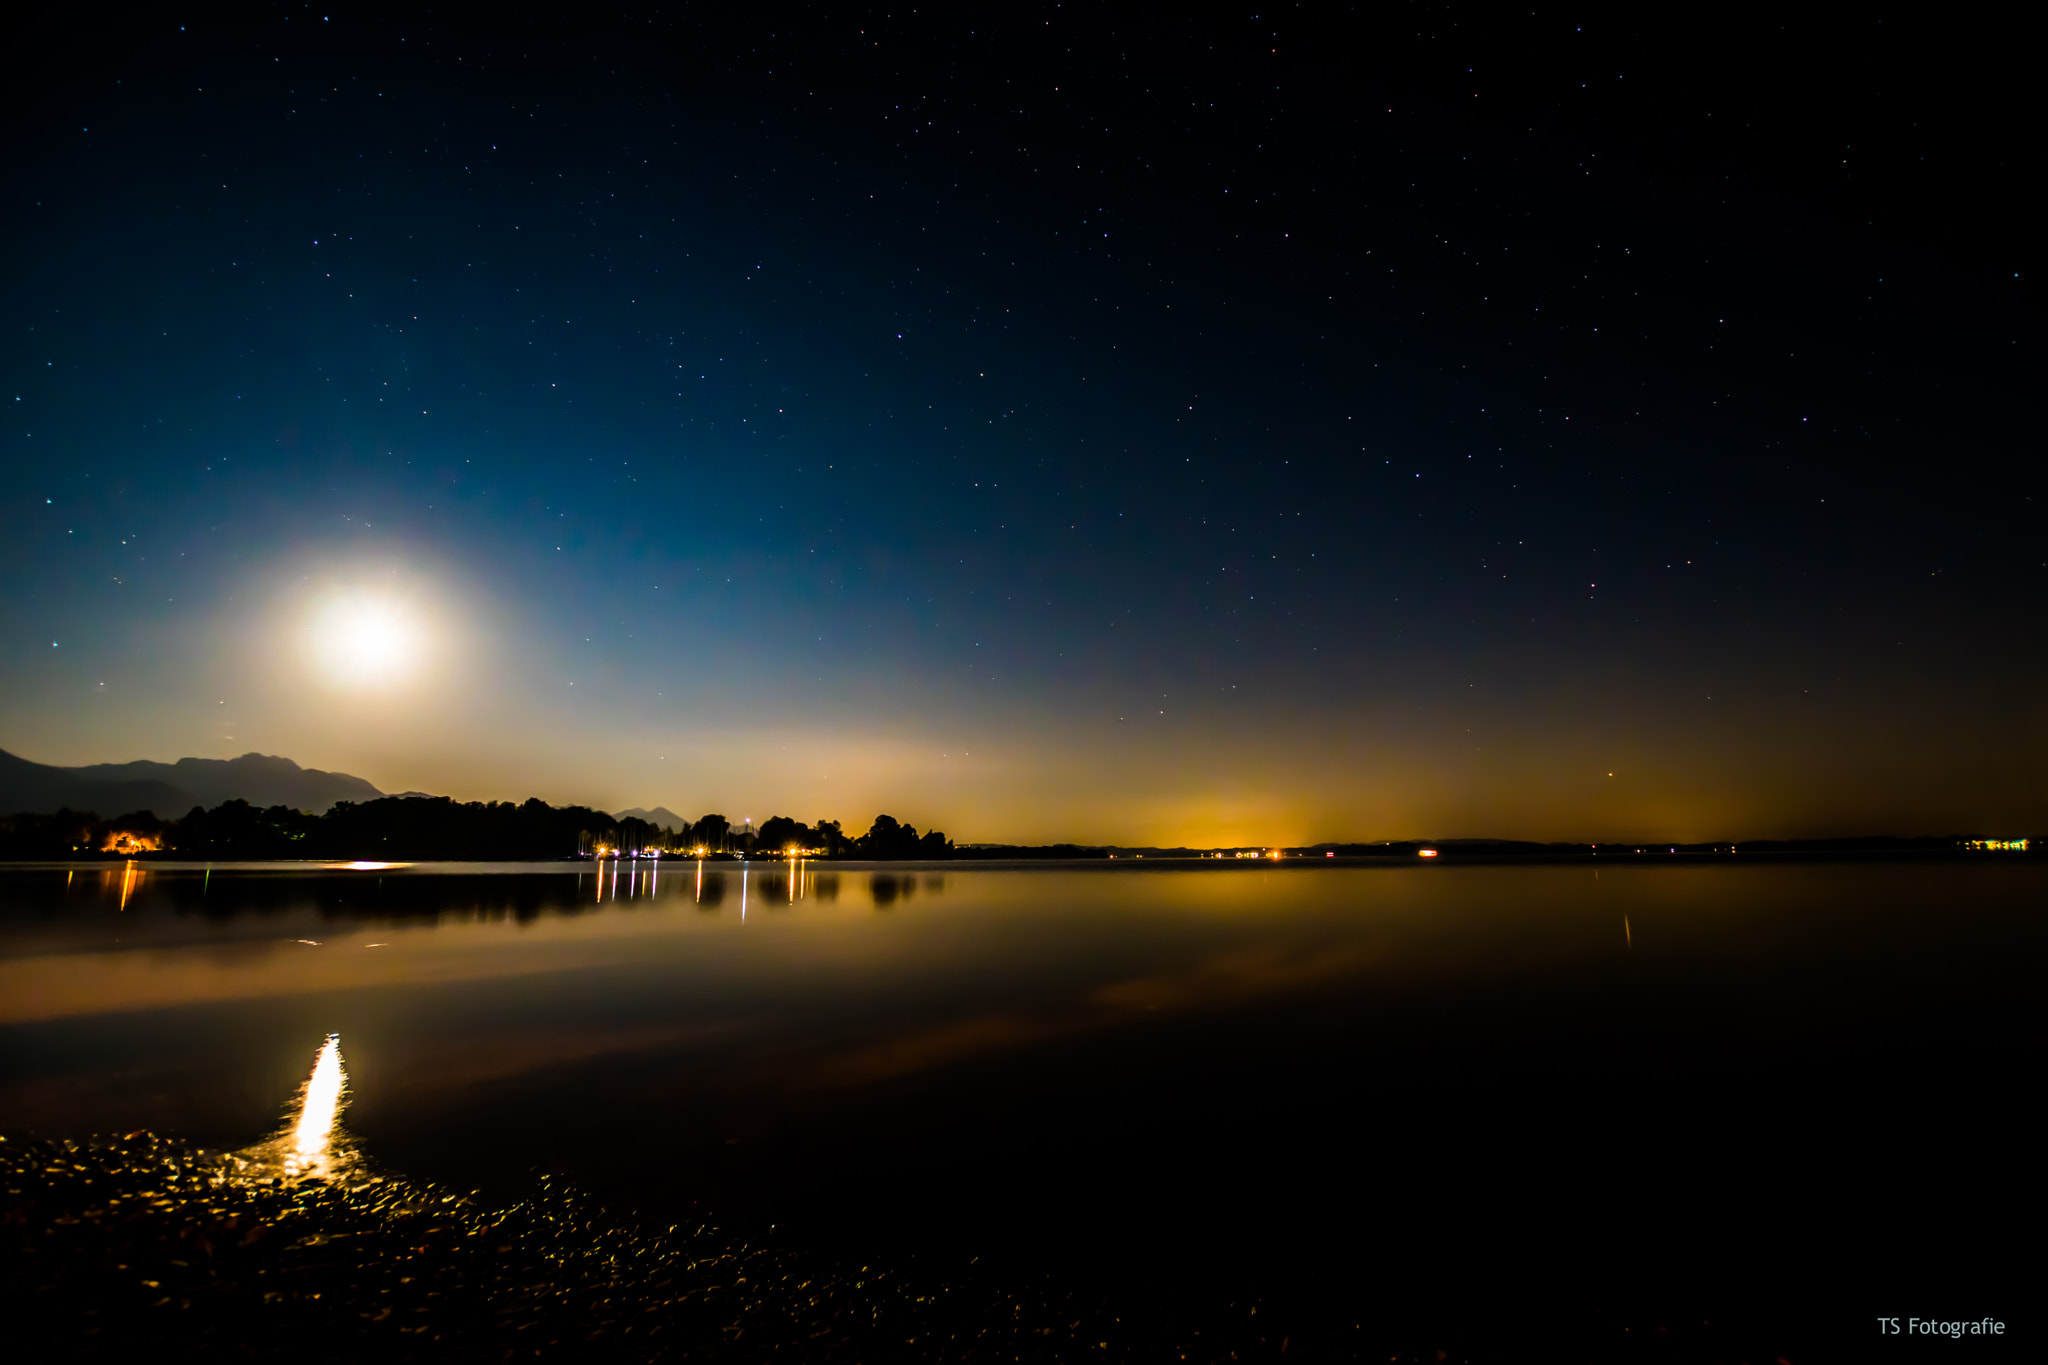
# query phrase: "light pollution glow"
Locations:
[[411, 672]]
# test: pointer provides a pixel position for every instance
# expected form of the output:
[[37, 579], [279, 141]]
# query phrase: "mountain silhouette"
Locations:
[[660, 815], [171, 789], [37, 787]]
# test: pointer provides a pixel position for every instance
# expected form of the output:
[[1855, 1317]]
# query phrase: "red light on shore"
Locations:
[[1425, 853]]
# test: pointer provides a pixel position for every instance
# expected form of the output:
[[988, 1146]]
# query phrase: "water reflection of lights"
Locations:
[[644, 879], [322, 1104], [131, 877], [313, 1146], [364, 866]]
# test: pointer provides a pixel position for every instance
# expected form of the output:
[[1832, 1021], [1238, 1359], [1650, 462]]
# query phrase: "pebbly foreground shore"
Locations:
[[141, 1244]]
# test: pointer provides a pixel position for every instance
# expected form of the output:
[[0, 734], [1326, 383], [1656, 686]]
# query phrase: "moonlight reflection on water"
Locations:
[[313, 1146], [321, 1108]]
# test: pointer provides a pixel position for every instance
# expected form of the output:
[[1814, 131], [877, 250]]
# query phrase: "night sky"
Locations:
[[1142, 424]]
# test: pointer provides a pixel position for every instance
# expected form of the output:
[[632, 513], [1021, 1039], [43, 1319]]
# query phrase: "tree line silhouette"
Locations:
[[424, 828], [416, 828]]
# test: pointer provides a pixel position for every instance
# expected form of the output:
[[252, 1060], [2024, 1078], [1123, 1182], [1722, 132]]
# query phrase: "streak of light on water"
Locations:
[[313, 1145], [130, 879], [321, 1107]]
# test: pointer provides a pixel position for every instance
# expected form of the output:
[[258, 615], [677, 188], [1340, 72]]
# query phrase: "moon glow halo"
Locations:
[[364, 641]]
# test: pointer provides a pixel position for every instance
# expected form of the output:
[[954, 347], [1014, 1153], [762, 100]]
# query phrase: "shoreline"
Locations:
[[142, 1242], [1441, 854]]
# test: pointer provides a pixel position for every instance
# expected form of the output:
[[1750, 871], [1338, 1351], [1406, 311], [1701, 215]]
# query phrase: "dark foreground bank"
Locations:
[[142, 1246], [142, 1243]]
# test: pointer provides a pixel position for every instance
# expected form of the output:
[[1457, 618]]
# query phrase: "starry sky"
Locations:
[[1087, 422]]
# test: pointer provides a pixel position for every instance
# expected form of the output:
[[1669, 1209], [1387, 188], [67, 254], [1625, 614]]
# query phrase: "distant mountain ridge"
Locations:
[[660, 815], [171, 789], [37, 787]]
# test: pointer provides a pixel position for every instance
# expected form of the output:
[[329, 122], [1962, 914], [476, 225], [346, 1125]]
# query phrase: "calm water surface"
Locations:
[[1803, 1083]]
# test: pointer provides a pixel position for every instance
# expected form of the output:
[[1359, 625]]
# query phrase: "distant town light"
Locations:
[[1425, 853]]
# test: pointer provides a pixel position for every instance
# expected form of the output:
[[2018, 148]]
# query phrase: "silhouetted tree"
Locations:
[[886, 839], [779, 832], [418, 828], [66, 834], [236, 829], [712, 831]]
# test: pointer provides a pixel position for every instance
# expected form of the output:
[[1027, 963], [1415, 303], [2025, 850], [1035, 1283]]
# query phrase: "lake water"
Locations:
[[1355, 1091]]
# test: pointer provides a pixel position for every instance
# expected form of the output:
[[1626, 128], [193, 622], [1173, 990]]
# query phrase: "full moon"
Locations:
[[361, 640]]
